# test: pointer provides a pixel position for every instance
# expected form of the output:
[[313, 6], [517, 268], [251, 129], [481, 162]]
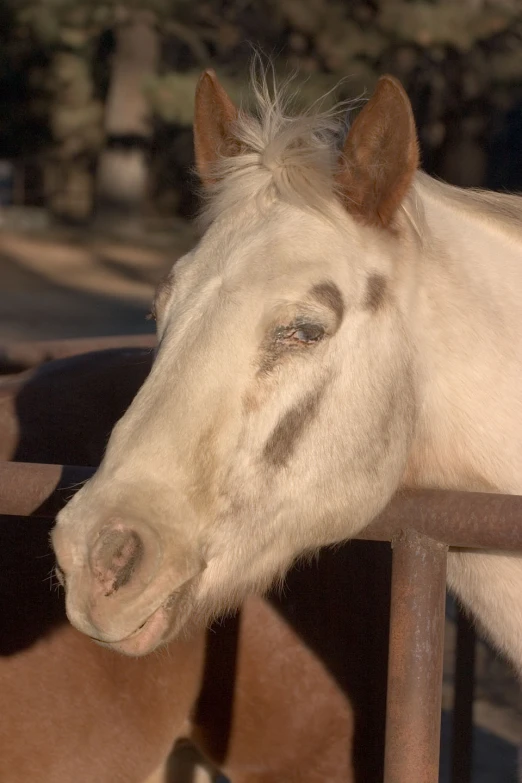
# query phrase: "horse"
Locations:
[[346, 326], [265, 696]]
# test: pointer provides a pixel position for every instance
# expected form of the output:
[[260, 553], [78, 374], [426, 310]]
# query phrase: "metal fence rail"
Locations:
[[33, 352], [421, 526]]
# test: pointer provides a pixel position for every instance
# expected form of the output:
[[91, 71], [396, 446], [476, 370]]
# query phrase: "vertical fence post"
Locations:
[[415, 662], [462, 740]]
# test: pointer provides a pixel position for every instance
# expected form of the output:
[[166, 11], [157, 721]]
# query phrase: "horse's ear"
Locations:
[[380, 155], [214, 116]]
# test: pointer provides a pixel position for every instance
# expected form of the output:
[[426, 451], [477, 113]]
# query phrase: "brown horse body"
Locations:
[[266, 696]]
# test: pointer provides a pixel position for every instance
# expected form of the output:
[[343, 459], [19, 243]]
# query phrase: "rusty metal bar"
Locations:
[[468, 519], [413, 708], [460, 519], [462, 741], [28, 489], [31, 353]]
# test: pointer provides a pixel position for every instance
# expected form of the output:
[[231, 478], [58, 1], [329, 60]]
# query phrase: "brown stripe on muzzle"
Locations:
[[284, 438]]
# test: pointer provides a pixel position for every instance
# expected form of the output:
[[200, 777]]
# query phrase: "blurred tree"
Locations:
[[69, 31], [459, 62], [122, 167], [76, 121]]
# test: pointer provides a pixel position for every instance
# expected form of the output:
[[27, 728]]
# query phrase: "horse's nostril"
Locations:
[[115, 557]]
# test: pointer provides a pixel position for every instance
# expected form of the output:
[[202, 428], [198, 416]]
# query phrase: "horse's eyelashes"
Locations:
[[283, 340], [304, 333]]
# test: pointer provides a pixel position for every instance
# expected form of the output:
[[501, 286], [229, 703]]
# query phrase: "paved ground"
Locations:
[[77, 283], [71, 283]]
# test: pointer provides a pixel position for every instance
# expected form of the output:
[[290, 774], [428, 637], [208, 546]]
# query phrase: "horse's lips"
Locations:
[[145, 638]]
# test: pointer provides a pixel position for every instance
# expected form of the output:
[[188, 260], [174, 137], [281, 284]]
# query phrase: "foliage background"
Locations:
[[97, 95]]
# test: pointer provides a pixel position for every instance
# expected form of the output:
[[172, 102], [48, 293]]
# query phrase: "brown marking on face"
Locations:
[[250, 402], [398, 411], [202, 490], [258, 394], [391, 403], [284, 438], [271, 354], [375, 292], [328, 294]]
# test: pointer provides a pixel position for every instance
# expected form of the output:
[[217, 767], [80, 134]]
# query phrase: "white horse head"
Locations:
[[280, 409]]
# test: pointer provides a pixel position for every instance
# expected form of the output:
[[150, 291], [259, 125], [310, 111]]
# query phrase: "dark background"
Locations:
[[97, 97]]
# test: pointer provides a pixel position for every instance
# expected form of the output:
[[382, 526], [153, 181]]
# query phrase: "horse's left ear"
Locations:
[[380, 155], [214, 117]]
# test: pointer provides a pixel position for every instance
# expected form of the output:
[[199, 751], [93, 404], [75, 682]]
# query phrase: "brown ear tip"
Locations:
[[389, 78], [208, 75], [387, 81], [391, 90]]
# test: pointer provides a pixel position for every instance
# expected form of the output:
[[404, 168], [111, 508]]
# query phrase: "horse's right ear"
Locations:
[[214, 117]]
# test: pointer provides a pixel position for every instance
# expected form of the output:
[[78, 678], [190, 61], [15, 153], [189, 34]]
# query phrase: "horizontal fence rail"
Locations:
[[32, 352]]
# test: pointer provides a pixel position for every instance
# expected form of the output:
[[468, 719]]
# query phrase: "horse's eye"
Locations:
[[300, 333], [309, 335]]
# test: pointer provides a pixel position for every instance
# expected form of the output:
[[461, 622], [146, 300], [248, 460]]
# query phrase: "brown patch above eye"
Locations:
[[375, 292], [328, 294]]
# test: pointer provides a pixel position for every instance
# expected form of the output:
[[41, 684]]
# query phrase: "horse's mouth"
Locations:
[[149, 635], [172, 617]]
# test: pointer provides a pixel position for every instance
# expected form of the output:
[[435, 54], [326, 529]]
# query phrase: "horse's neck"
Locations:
[[468, 330]]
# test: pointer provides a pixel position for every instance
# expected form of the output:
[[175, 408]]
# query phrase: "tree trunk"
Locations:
[[122, 169], [76, 120]]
